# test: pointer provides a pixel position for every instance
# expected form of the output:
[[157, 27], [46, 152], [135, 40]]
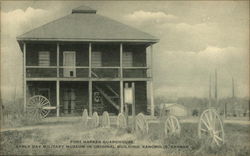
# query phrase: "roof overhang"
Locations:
[[87, 40], [133, 41]]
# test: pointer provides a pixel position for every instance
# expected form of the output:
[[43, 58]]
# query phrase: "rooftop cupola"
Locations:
[[83, 10]]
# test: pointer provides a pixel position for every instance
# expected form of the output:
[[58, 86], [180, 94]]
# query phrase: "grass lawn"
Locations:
[[70, 139]]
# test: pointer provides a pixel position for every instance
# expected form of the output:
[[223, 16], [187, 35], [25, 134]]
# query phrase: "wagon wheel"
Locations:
[[141, 124], [95, 119], [85, 117], [38, 107], [121, 121], [210, 125], [172, 126], [105, 119]]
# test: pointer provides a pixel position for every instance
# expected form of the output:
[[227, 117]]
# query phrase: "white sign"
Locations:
[[128, 95]]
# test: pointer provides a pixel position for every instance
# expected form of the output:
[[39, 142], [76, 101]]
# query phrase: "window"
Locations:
[[96, 59], [127, 59], [44, 58]]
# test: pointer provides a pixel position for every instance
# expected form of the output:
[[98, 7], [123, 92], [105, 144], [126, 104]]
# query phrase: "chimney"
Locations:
[[83, 10]]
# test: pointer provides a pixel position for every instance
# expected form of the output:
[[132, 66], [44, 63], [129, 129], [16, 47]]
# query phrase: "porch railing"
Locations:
[[83, 72]]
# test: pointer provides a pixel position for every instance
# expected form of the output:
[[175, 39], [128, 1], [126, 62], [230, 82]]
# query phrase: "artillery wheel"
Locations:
[[121, 121], [141, 126], [105, 119], [85, 117], [37, 107], [210, 125], [95, 119], [172, 126]]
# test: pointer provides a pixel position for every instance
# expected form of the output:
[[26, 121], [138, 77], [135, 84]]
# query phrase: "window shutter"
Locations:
[[44, 58], [96, 59], [127, 59]]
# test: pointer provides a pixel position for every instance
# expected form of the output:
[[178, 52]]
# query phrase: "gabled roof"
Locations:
[[85, 25]]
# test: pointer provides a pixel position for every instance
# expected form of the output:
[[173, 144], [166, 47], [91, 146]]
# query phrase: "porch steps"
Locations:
[[113, 91], [107, 97]]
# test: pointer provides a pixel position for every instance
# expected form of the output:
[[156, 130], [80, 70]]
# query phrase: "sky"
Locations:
[[196, 37]]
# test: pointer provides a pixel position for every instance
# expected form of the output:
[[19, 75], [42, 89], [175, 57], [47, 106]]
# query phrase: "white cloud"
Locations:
[[14, 23], [224, 55], [186, 73], [195, 28], [19, 21], [145, 16]]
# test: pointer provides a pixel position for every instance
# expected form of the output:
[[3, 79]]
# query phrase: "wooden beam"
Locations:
[[121, 76], [126, 106], [107, 67], [121, 96], [135, 41], [152, 98], [87, 79], [57, 98], [133, 105], [90, 59], [135, 67], [90, 82], [41, 66], [57, 59], [90, 98], [121, 60], [151, 82], [86, 67], [24, 76], [41, 79]]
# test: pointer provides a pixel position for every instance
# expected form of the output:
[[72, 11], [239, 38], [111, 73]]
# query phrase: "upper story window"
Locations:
[[127, 59], [44, 58], [96, 59]]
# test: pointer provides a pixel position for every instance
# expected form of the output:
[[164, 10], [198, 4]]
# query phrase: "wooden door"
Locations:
[[69, 101], [69, 64]]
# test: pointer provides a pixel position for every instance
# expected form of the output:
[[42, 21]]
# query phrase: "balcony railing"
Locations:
[[41, 71], [105, 72], [135, 72], [83, 72], [78, 72]]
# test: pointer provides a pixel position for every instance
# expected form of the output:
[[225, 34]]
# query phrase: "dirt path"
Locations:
[[241, 122], [35, 127], [68, 124]]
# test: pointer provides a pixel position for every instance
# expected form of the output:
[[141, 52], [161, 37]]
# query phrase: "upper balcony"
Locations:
[[72, 60]]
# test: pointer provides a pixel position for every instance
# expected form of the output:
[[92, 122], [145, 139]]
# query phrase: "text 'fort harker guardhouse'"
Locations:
[[83, 60]]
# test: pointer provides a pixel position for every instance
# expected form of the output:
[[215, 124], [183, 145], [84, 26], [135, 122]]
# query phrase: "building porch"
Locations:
[[71, 97]]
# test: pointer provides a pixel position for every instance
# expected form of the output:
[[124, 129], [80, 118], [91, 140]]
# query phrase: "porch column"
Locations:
[[57, 98], [90, 98], [57, 82], [57, 59], [90, 81], [24, 76], [151, 82], [90, 60], [121, 78]]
